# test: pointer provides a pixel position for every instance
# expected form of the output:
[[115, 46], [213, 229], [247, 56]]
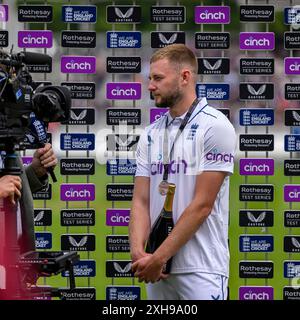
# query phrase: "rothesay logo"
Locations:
[[117, 243], [3, 38], [81, 90], [212, 40], [256, 192], [291, 40], [256, 142], [121, 116], [30, 13], [256, 269], [76, 294], [123, 64], [167, 14], [77, 166], [78, 39], [292, 167], [77, 217], [292, 218], [119, 192], [257, 13], [123, 14], [161, 39], [78, 64], [257, 66]]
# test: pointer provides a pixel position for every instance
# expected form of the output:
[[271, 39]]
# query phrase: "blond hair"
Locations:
[[178, 54]]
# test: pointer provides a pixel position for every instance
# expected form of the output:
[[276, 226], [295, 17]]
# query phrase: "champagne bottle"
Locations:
[[163, 226]]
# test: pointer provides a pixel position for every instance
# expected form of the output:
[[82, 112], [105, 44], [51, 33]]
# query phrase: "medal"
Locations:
[[163, 187]]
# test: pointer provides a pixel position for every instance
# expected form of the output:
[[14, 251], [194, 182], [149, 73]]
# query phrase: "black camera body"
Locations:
[[21, 105], [25, 112]]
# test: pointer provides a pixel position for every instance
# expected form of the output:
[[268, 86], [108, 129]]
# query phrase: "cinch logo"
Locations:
[[174, 167], [256, 166], [35, 39], [77, 192], [292, 193], [3, 12], [212, 14], [256, 293], [156, 113], [123, 91], [78, 64], [292, 65], [257, 41], [117, 217], [222, 157]]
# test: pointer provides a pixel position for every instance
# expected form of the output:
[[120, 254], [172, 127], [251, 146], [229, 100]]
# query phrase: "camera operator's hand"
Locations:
[[10, 187], [43, 158]]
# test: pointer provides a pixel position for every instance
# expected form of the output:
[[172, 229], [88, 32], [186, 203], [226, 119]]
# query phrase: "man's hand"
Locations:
[[43, 158], [149, 269], [10, 187]]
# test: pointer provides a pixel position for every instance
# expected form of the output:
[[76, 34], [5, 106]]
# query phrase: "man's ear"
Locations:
[[186, 76]]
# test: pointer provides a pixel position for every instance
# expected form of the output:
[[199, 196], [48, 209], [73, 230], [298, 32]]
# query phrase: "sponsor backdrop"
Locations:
[[248, 69]]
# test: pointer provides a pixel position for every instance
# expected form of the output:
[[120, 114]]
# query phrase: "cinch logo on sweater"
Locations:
[[173, 168], [216, 156]]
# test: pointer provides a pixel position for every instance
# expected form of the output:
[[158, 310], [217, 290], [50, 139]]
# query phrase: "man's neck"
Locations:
[[182, 106]]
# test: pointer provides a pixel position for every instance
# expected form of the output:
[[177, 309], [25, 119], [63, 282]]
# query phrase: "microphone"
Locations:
[[38, 130]]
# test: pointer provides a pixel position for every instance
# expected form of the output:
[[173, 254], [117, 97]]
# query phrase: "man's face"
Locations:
[[164, 83]]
